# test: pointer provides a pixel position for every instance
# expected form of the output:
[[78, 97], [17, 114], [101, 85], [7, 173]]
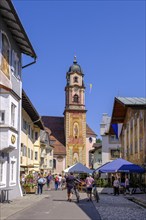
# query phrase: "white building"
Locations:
[[13, 42], [46, 161], [110, 144]]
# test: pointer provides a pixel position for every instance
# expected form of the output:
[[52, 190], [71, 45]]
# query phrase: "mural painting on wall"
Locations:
[[5, 56], [75, 158], [76, 130]]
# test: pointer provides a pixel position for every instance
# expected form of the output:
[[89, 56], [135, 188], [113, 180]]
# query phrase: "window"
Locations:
[[15, 65], [131, 123], [29, 130], [51, 153], [36, 155], [115, 154], [90, 139], [3, 167], [131, 149], [24, 125], [22, 149], [2, 117], [32, 133], [141, 144], [12, 171], [141, 115], [28, 152], [75, 79], [13, 114], [113, 138], [50, 163], [36, 135], [136, 149], [31, 154], [76, 98], [54, 163], [5, 56]]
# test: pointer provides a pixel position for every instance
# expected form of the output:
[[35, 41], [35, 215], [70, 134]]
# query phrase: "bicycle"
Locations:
[[95, 193], [76, 192]]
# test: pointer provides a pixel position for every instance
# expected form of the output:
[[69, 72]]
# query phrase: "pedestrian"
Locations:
[[41, 182], [127, 185], [63, 182], [59, 181], [56, 181], [48, 180], [70, 181], [89, 185], [22, 182], [116, 185]]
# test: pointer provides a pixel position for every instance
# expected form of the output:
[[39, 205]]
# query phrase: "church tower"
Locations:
[[75, 115]]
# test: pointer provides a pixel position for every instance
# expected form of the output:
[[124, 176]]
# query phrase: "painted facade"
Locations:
[[133, 136], [10, 95], [75, 116], [131, 112]]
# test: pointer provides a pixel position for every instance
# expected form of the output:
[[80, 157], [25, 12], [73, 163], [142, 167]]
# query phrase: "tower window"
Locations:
[[76, 79], [76, 98]]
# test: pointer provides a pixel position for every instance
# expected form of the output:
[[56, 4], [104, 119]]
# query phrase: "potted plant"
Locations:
[[30, 184]]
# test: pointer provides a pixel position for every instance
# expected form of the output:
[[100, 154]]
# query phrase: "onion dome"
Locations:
[[75, 67]]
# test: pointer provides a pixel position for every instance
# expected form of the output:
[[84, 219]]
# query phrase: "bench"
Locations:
[[4, 195]]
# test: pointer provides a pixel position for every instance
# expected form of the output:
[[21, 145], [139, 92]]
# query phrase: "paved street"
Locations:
[[53, 205]]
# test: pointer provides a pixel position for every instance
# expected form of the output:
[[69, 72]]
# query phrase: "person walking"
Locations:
[[63, 183], [70, 181], [59, 181], [89, 185], [49, 179], [56, 181], [41, 181], [127, 185], [116, 185]]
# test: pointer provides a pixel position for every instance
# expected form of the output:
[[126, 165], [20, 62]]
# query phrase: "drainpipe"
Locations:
[[29, 63]]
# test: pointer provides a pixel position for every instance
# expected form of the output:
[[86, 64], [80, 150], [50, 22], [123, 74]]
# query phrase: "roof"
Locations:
[[120, 108], [75, 67], [89, 131], [31, 111], [56, 126], [128, 101], [13, 23], [96, 146]]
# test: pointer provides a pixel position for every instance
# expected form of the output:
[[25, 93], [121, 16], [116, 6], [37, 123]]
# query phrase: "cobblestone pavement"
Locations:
[[119, 207]]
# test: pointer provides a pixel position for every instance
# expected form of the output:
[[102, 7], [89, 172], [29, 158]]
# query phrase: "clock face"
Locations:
[[76, 89]]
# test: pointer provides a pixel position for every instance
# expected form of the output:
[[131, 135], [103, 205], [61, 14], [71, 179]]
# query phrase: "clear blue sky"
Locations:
[[108, 38]]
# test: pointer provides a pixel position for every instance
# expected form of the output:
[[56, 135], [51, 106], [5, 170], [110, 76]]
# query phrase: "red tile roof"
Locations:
[[56, 126], [89, 131]]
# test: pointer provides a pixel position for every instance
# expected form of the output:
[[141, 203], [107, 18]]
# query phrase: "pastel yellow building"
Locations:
[[30, 137]]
